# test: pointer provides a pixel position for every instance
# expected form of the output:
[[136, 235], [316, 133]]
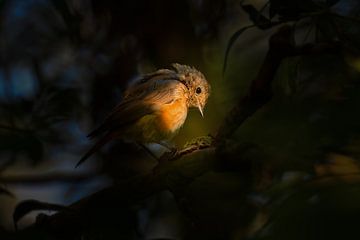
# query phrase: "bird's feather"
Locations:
[[101, 142], [145, 98]]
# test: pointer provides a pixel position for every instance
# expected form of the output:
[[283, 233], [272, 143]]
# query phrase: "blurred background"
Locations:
[[65, 64]]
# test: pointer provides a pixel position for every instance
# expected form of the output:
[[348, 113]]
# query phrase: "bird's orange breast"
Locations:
[[172, 116]]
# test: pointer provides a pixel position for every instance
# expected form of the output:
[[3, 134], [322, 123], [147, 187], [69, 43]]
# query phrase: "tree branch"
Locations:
[[281, 45]]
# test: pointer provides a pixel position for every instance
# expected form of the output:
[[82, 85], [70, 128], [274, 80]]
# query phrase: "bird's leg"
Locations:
[[148, 151]]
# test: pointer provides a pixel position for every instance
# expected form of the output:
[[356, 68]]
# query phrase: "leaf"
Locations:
[[4, 191], [328, 212], [291, 10], [231, 42], [27, 206], [326, 29], [256, 17]]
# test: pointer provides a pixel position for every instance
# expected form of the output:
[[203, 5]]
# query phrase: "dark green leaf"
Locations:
[[325, 213], [292, 10], [230, 44], [326, 29], [256, 17]]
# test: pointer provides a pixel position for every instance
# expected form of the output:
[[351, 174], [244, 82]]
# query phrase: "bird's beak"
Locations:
[[201, 111], [200, 108]]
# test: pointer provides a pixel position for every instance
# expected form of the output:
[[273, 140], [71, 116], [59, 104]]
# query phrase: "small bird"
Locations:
[[154, 108]]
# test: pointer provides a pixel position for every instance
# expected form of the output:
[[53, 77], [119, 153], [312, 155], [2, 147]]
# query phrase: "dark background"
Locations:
[[290, 171]]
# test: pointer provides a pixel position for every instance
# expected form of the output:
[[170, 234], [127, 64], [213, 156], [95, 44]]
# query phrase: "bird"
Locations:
[[154, 108]]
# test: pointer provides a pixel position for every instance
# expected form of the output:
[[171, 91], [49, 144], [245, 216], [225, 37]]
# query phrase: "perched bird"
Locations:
[[154, 108]]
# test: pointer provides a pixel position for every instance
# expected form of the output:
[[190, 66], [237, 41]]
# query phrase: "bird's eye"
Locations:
[[198, 90]]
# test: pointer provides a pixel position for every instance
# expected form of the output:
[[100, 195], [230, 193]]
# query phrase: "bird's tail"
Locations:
[[101, 142]]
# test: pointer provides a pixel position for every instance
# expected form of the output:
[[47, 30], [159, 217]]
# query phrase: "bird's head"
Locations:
[[197, 85]]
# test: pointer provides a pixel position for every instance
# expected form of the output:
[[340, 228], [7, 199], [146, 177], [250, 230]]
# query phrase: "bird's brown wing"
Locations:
[[148, 100], [144, 99], [123, 114]]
